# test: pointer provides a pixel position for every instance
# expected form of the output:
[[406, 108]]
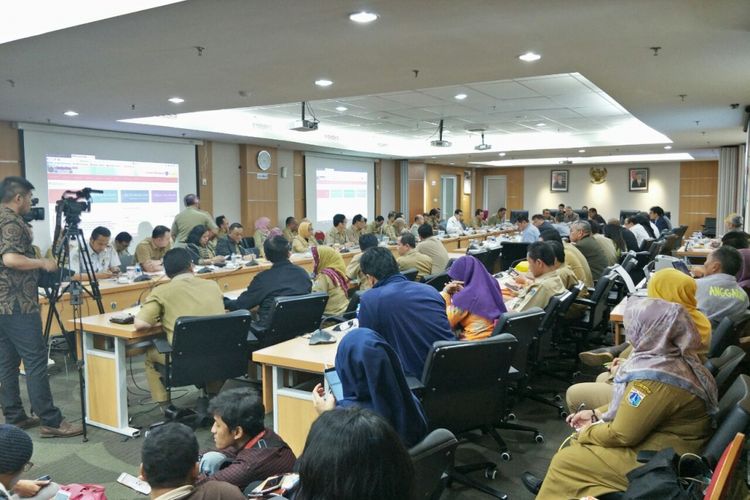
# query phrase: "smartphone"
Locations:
[[134, 483], [334, 383], [44, 478], [267, 486]]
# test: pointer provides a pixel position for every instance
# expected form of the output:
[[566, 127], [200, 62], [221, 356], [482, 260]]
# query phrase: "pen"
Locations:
[[581, 407]]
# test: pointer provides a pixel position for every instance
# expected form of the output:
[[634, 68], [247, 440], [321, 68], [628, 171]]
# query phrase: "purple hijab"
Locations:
[[743, 277], [481, 294]]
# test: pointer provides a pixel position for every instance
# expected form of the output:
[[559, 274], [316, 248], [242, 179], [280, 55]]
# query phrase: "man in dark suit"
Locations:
[[580, 236], [232, 242], [638, 181]]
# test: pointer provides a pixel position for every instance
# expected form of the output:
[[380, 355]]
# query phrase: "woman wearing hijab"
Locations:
[[200, 251], [473, 300], [372, 377], [262, 230], [304, 239], [662, 397], [330, 277]]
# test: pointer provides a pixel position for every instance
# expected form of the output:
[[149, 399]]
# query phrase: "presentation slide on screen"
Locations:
[[130, 190], [341, 192]]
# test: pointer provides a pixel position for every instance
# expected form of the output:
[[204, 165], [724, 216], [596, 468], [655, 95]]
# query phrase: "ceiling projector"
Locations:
[[441, 143], [304, 125], [482, 147]]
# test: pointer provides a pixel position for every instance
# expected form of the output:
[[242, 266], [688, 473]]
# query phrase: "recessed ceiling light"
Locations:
[[176, 100], [363, 17], [323, 82], [581, 150], [540, 124], [667, 147], [529, 57], [453, 163], [501, 154], [341, 108], [460, 97], [70, 113]]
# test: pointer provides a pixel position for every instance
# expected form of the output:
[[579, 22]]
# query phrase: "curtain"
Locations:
[[732, 179]]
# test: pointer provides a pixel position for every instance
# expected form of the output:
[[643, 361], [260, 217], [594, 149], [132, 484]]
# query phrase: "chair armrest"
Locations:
[[644, 456], [414, 383], [340, 318], [162, 345], [585, 302]]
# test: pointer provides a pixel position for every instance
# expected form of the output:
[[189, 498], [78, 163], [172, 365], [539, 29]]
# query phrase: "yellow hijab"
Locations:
[[305, 229], [329, 262], [675, 286]]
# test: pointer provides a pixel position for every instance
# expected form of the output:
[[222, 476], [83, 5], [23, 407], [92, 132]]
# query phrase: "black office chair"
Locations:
[[351, 308], [291, 316], [410, 274], [464, 390], [437, 281], [709, 227], [510, 252], [727, 367], [433, 458], [733, 417], [204, 349], [596, 318], [482, 256], [722, 337]]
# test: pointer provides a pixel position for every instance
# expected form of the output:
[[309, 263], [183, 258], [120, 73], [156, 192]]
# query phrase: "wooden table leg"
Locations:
[[617, 333], [267, 384]]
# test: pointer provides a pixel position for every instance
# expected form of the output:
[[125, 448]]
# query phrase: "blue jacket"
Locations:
[[410, 316]]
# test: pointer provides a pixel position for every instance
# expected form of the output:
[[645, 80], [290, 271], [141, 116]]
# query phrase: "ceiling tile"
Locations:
[[556, 85], [503, 90]]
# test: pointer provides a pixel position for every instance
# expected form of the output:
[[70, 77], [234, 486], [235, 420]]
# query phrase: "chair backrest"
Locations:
[[411, 274], [721, 479], [628, 260], [437, 281], [567, 299], [207, 348], [510, 252], [599, 310], [728, 367], [354, 298], [432, 457], [524, 326], [669, 244], [293, 316], [733, 417], [465, 382], [492, 259], [722, 337]]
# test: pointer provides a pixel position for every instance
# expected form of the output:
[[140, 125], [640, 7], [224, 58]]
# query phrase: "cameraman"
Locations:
[[20, 321]]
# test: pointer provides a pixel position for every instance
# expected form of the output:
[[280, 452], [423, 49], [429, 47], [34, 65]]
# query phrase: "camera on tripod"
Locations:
[[73, 203], [35, 213]]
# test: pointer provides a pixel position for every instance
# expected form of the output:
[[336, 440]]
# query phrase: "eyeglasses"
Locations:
[[28, 466]]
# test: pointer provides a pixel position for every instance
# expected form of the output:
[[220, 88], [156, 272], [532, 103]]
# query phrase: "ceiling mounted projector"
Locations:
[[304, 125], [566, 162], [483, 146], [440, 143]]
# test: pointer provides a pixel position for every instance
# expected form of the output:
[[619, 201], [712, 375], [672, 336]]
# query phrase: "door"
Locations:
[[494, 193], [447, 195]]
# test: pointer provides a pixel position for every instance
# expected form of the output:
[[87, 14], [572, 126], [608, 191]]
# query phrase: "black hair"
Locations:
[[379, 218], [354, 453], [425, 231], [12, 186], [457, 211], [177, 261], [100, 231], [614, 233], [240, 408], [502, 209], [220, 220], [478, 211], [539, 250], [367, 240], [190, 199], [657, 210], [537, 217], [357, 218], [729, 258], [643, 220], [736, 239], [595, 228], [408, 239], [124, 236], [558, 249], [159, 231], [276, 249], [233, 226], [522, 218], [195, 235], [592, 209], [548, 234], [378, 262], [561, 205], [288, 220], [338, 219], [433, 212], [169, 453]]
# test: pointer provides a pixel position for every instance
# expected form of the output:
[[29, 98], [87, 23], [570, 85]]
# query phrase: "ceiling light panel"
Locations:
[[363, 17]]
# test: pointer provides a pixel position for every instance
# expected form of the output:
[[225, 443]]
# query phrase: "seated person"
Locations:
[[338, 235], [622, 238], [354, 439], [104, 259], [546, 282], [389, 229], [499, 217], [656, 214], [409, 258], [718, 293], [569, 215], [455, 224], [184, 295], [169, 464], [594, 216], [478, 222], [150, 252], [743, 276], [358, 228], [662, 397], [222, 225], [473, 300], [606, 244], [330, 277], [580, 236], [290, 228], [372, 378], [396, 305], [432, 248], [197, 245], [262, 230], [122, 244], [353, 271], [574, 259], [541, 223], [376, 227], [529, 232], [247, 451], [399, 226], [232, 243], [304, 240], [418, 221], [15, 459], [283, 279], [736, 239]]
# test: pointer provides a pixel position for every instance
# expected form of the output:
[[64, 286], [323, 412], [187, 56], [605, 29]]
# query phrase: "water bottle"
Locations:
[[357, 312], [138, 270]]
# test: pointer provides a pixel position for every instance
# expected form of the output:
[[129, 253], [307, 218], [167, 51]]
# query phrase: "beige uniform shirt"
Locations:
[[355, 233], [187, 220], [415, 260], [337, 300], [289, 234], [373, 228], [354, 272], [146, 250], [301, 245], [540, 292], [434, 249], [336, 237]]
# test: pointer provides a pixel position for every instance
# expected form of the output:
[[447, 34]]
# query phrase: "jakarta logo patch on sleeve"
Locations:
[[635, 397]]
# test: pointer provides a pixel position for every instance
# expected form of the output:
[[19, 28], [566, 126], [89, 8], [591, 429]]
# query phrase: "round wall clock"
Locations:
[[264, 160]]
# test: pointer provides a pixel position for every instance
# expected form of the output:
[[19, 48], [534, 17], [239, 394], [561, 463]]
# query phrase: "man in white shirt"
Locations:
[[104, 259], [529, 232], [455, 223]]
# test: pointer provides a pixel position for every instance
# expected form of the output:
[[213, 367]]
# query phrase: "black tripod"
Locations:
[[71, 234]]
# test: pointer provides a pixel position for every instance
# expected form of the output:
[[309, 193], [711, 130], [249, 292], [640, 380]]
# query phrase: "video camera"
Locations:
[[72, 203], [36, 213]]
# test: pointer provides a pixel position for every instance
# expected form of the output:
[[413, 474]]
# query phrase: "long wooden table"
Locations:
[[697, 253]]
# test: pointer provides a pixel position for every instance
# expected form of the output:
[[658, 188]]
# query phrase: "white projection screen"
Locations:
[[338, 184], [143, 177]]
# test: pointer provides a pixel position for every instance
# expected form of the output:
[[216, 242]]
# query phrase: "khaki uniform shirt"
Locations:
[[185, 295], [259, 238], [353, 233], [578, 264], [415, 260], [301, 245], [337, 300], [434, 249], [540, 292], [17, 287], [186, 220], [147, 251], [373, 228], [289, 234], [336, 237], [389, 230], [495, 220], [354, 272], [477, 222]]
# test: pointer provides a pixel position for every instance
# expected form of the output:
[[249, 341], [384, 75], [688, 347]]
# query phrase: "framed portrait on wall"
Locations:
[[558, 181], [638, 179]]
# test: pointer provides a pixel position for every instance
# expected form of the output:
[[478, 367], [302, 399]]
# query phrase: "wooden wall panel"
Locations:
[[514, 187], [258, 196], [378, 180], [205, 172], [10, 154], [433, 174], [699, 182], [416, 173], [299, 186]]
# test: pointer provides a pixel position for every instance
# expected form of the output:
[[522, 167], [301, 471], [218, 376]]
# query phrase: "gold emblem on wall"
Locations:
[[598, 175]]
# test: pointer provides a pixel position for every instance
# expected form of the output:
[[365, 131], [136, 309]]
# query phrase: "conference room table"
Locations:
[[694, 253]]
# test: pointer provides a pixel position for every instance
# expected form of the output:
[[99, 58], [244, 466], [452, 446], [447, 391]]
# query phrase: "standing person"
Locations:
[[20, 323], [190, 217]]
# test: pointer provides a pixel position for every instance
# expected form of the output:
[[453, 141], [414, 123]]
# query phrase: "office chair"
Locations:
[[727, 367], [512, 251], [204, 349], [433, 458], [410, 274], [351, 308], [596, 317], [709, 227], [722, 336], [291, 316], [464, 390], [437, 281]]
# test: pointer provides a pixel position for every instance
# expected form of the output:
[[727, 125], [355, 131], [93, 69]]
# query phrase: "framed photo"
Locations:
[[558, 181], [638, 179]]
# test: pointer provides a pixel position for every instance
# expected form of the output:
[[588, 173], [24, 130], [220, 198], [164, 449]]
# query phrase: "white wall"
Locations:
[[286, 186], [388, 186], [611, 196], [226, 180]]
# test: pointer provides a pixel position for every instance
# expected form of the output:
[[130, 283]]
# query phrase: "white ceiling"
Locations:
[[127, 67]]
